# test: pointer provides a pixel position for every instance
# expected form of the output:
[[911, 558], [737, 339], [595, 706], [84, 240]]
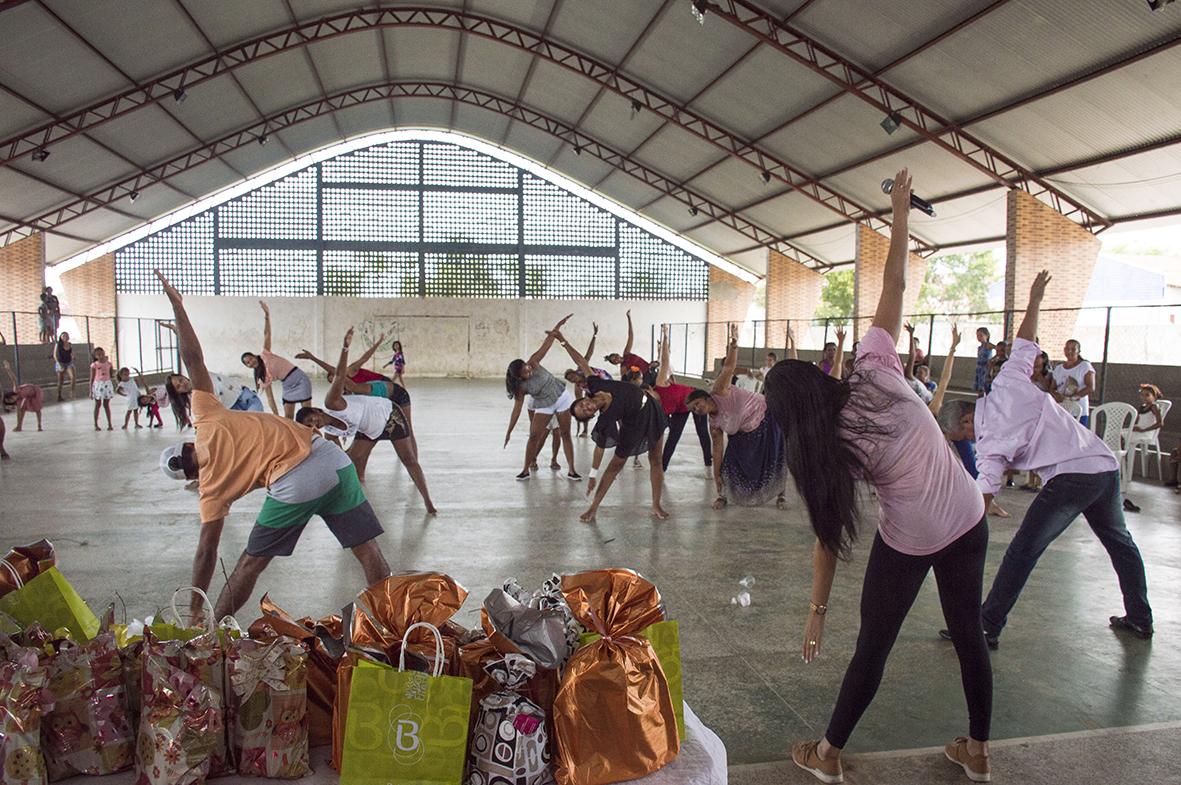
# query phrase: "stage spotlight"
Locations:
[[636, 107], [262, 140], [892, 122], [1156, 5], [693, 211], [179, 95], [40, 154], [698, 8], [766, 176], [133, 195], [578, 149]]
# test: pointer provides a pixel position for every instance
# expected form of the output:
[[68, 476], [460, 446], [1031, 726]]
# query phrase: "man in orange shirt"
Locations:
[[237, 452]]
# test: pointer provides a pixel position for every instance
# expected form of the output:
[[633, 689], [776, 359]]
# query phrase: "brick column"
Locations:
[[729, 300], [22, 268], [89, 290], [793, 293], [872, 250], [1037, 238]]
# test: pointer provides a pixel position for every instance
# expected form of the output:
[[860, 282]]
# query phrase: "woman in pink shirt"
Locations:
[[101, 388], [297, 387], [872, 427], [753, 468]]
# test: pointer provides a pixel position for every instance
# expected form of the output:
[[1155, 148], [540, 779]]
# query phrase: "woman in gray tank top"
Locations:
[[550, 399]]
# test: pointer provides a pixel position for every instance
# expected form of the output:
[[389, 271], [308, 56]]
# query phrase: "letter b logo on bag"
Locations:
[[405, 735]]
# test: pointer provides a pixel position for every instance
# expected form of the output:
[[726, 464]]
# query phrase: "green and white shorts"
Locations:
[[324, 484]]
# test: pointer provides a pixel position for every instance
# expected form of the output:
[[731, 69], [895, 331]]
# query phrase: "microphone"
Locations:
[[916, 201]]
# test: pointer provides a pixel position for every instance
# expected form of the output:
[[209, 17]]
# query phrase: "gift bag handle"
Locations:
[[202, 595], [438, 646], [16, 576]]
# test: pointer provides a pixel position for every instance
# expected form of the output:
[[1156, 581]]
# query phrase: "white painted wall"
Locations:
[[441, 336]]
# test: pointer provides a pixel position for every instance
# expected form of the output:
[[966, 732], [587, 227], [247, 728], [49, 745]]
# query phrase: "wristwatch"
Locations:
[[819, 610]]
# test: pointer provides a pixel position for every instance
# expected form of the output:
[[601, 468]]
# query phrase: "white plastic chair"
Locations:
[[1150, 441], [1117, 420]]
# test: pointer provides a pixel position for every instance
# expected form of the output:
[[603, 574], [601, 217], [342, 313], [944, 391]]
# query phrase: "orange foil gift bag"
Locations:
[[613, 716]]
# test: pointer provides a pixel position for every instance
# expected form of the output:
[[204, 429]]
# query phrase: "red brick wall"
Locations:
[[729, 300], [793, 290], [89, 290], [1038, 237], [872, 250], [22, 270]]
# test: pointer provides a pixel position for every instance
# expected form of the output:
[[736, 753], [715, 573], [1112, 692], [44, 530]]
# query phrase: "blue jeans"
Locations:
[[1097, 498], [248, 401]]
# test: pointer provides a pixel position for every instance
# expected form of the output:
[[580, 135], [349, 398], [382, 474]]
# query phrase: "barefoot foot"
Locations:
[[659, 513], [587, 517]]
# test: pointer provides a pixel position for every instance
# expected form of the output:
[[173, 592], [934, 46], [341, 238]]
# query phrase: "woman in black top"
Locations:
[[63, 363], [640, 422]]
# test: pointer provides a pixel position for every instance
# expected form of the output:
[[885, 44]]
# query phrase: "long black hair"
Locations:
[[512, 377], [260, 368], [178, 401], [818, 414]]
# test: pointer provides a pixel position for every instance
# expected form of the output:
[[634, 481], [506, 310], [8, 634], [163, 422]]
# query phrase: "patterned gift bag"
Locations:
[[89, 729], [509, 744], [23, 702], [268, 715]]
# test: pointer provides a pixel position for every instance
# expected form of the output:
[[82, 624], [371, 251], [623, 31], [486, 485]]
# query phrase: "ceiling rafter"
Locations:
[[233, 76], [115, 67], [460, 56], [897, 61], [533, 61], [385, 92], [889, 100], [640, 39], [442, 18], [385, 65], [58, 232]]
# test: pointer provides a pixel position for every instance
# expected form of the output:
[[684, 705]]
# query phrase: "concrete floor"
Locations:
[[120, 526]]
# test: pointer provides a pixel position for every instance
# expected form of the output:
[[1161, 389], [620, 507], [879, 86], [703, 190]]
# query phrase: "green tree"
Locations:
[[958, 283], [836, 298]]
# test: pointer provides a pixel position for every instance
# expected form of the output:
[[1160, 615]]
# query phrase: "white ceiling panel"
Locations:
[[143, 38], [247, 20], [493, 66], [981, 215], [929, 166], [365, 118], [676, 153], [154, 201], [717, 235], [793, 212], [100, 223], [254, 159], [22, 197], [278, 82], [208, 178], [348, 61], [32, 62], [627, 190], [559, 92], [213, 109], [147, 137], [59, 248], [612, 121], [734, 182], [531, 142], [17, 116], [755, 261], [79, 165], [832, 245], [680, 57], [762, 93], [601, 31], [530, 14], [309, 135], [422, 112], [671, 213], [481, 123], [420, 53], [585, 169]]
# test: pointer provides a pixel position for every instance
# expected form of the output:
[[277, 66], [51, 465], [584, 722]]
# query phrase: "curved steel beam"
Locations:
[[769, 165], [393, 90], [926, 123]]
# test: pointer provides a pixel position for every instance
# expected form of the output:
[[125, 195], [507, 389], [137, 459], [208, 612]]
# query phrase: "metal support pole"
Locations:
[[16, 349], [88, 341], [930, 335], [705, 351], [139, 325], [1103, 373], [825, 333], [685, 367]]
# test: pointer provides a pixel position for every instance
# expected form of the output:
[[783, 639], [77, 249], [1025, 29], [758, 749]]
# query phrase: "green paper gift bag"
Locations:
[[406, 727], [50, 600]]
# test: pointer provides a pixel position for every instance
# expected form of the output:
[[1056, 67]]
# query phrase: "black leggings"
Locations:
[[676, 424], [892, 581]]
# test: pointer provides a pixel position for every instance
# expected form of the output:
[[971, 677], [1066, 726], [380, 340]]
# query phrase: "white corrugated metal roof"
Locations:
[[960, 59]]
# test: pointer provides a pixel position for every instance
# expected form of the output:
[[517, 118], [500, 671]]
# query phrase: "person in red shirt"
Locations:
[[672, 399], [627, 361]]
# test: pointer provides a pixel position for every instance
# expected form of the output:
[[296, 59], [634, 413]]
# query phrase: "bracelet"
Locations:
[[819, 610], [594, 473]]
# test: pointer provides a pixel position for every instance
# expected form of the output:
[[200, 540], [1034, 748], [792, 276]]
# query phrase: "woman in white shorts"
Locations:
[[550, 397]]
